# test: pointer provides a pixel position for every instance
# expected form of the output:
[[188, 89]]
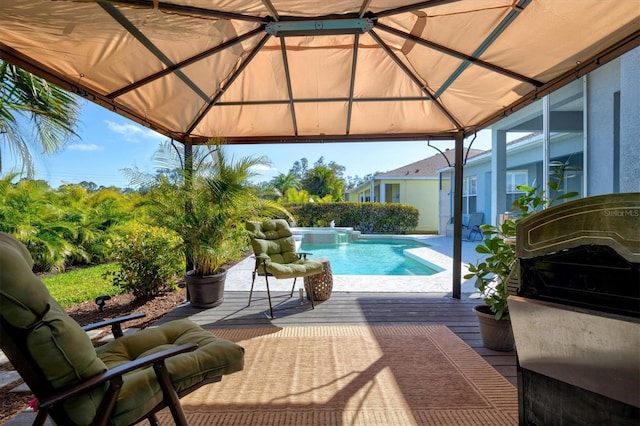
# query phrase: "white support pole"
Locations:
[[498, 174], [546, 143]]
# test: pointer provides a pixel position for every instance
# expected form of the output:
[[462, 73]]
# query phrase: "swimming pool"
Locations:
[[370, 257]]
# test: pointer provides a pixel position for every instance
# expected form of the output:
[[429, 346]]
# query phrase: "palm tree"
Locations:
[[322, 181], [207, 205], [30, 210], [52, 111], [284, 182]]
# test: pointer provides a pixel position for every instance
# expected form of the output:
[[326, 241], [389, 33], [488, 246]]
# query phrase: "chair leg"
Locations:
[[41, 417], [310, 295], [294, 286], [251, 291], [269, 295], [170, 395]]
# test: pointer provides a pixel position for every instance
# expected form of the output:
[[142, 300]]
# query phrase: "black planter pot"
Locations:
[[496, 334], [207, 291]]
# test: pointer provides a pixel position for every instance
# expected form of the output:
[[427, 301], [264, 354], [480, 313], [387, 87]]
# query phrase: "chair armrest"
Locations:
[[261, 259], [115, 373], [115, 323]]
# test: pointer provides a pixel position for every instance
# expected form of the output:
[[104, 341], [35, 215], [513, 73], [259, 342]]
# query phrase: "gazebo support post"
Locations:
[[188, 176], [457, 215]]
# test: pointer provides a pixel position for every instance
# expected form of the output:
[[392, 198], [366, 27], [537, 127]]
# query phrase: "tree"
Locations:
[[293, 196], [52, 111], [29, 210], [320, 181], [323, 181], [355, 181], [299, 168], [208, 205], [284, 182]]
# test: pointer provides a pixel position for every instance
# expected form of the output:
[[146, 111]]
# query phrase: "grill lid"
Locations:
[[584, 253], [611, 220]]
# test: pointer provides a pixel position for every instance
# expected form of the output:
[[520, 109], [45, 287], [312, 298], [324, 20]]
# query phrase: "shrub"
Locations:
[[391, 218], [150, 259]]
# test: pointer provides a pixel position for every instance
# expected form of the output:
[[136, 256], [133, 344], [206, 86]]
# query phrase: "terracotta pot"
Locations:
[[207, 291], [496, 334]]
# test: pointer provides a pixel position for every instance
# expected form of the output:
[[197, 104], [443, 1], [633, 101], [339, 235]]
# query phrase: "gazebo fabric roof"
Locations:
[[424, 70]]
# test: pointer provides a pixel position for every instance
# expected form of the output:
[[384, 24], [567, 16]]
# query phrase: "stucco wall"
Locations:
[[630, 121], [621, 75], [422, 194], [602, 84]]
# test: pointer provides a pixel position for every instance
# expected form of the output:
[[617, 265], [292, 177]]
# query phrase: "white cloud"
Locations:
[[84, 147], [263, 168], [133, 132]]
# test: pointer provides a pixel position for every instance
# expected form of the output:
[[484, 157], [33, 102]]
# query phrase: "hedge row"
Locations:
[[370, 218]]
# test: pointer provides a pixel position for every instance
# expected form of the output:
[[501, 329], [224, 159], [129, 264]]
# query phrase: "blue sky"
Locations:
[[109, 143]]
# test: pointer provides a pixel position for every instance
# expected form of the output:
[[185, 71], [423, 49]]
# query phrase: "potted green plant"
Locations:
[[207, 205], [498, 246]]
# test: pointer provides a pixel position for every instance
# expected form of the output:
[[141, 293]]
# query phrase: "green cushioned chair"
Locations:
[[120, 383], [275, 252]]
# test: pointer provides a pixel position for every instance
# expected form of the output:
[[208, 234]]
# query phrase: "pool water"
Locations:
[[369, 257]]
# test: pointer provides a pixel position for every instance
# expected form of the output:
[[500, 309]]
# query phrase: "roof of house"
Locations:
[[427, 167]]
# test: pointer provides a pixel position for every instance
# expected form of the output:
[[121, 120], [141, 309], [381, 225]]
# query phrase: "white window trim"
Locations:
[[511, 177]]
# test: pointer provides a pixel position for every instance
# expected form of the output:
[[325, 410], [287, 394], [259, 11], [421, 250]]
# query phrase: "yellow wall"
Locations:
[[423, 195], [353, 196]]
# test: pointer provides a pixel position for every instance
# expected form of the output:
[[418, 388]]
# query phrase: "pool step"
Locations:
[[429, 258]]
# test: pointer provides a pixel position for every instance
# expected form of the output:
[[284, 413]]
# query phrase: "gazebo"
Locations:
[[267, 71]]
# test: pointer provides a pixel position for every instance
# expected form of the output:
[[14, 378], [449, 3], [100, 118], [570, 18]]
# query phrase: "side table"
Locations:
[[319, 286]]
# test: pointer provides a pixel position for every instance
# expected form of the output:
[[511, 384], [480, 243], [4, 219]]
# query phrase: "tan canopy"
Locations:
[[268, 71]]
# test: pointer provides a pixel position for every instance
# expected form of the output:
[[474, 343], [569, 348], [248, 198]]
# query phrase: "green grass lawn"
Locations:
[[81, 285]]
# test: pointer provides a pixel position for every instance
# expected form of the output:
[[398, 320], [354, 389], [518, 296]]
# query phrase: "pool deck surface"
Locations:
[[439, 253]]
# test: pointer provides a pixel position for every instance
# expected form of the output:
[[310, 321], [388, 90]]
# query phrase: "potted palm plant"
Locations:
[[208, 206], [493, 272]]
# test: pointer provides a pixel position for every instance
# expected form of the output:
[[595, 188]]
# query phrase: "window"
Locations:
[[515, 178], [469, 194]]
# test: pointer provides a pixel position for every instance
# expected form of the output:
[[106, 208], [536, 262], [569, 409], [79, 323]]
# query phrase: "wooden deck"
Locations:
[[353, 309]]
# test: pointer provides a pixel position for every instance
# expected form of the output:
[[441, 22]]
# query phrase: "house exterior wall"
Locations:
[[608, 168], [525, 156], [359, 194], [630, 121], [421, 194], [617, 78], [417, 192], [445, 201], [620, 75], [601, 86]]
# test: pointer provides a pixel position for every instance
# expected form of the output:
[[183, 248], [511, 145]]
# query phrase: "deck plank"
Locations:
[[353, 309]]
